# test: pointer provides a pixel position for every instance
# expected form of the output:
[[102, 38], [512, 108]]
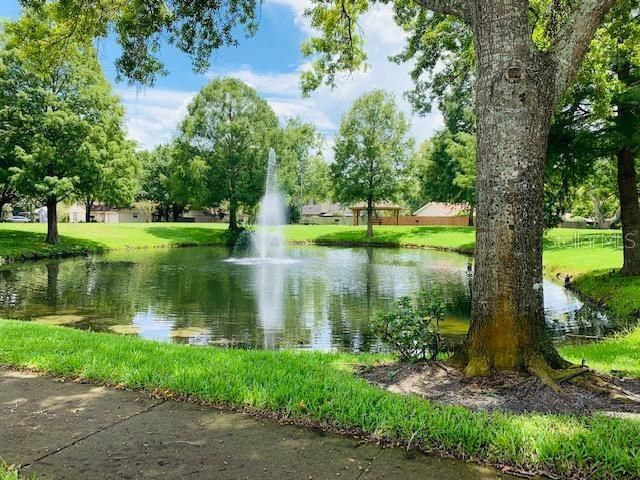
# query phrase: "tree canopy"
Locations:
[[371, 151], [62, 122], [231, 128]]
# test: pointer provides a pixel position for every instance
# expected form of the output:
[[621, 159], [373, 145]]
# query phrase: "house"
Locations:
[[325, 209], [441, 209], [105, 214], [325, 213]]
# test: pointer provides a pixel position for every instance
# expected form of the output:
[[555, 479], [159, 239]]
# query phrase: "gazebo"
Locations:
[[358, 208]]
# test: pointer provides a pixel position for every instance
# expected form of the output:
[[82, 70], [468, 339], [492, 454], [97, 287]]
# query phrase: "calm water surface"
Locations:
[[322, 299]]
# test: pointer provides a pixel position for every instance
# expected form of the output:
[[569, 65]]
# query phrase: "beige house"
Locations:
[[77, 214], [441, 209]]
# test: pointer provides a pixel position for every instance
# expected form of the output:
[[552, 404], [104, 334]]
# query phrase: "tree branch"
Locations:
[[573, 40], [455, 8]]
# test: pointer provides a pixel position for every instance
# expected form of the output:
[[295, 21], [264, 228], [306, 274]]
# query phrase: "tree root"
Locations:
[[538, 367], [581, 376], [599, 384], [552, 372]]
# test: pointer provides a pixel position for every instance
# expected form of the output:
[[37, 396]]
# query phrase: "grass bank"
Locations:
[[618, 355], [26, 241], [320, 388]]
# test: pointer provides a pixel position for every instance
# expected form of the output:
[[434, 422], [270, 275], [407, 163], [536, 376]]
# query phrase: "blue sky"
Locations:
[[271, 62]]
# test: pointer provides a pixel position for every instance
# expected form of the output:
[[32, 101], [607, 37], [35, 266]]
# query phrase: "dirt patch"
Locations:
[[507, 392]]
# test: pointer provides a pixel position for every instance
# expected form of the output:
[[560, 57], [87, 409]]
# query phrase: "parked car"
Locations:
[[18, 219]]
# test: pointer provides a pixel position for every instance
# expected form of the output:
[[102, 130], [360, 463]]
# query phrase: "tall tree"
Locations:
[[526, 55], [615, 76], [111, 171], [11, 135], [154, 179], [371, 150], [231, 128], [298, 145], [64, 108]]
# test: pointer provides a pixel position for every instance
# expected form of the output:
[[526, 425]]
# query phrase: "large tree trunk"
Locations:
[[177, 211], [52, 221], [627, 180], [514, 104], [369, 218], [598, 214], [629, 211], [88, 206], [233, 216]]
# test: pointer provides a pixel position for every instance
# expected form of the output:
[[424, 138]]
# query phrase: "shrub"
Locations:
[[413, 329]]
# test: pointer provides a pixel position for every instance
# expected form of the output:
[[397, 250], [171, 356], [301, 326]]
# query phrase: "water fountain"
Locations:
[[267, 257], [268, 241]]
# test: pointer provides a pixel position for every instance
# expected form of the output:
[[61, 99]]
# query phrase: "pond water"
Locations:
[[322, 298]]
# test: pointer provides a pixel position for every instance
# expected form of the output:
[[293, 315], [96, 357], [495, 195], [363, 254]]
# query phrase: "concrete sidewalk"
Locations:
[[75, 431]]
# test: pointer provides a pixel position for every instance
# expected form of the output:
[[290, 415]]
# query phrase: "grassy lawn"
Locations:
[[26, 241], [303, 386], [619, 354]]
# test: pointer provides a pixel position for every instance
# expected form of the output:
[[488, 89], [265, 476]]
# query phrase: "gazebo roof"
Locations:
[[377, 206]]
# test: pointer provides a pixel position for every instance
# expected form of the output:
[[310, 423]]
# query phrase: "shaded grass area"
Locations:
[[321, 388], [460, 239], [26, 241], [620, 354]]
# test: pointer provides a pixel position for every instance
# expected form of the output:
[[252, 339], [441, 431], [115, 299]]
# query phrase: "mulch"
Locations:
[[506, 392]]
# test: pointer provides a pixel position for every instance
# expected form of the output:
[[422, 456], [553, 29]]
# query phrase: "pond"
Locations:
[[322, 298]]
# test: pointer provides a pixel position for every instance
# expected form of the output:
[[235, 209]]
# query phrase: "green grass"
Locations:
[[26, 241], [7, 472], [620, 354], [460, 239], [322, 388]]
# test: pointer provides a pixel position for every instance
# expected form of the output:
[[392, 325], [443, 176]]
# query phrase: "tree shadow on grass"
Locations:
[[16, 245], [459, 239], [190, 236]]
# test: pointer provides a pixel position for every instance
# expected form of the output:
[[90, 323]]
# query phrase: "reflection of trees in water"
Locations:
[[327, 299]]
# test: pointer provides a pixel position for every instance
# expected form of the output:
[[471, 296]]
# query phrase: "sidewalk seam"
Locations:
[[369, 464], [100, 430]]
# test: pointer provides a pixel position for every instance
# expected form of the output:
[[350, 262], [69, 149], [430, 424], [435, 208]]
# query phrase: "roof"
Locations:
[[377, 206], [441, 209], [323, 209]]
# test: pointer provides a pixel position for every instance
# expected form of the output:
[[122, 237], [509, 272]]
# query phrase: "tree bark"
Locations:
[[88, 206], [233, 215], [369, 218], [177, 210], [598, 215], [515, 101], [52, 221], [629, 211], [627, 181]]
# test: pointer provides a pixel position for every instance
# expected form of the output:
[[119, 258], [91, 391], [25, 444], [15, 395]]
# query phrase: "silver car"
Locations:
[[18, 219]]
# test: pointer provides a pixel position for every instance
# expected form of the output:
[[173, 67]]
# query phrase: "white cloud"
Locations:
[[326, 106], [153, 114]]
